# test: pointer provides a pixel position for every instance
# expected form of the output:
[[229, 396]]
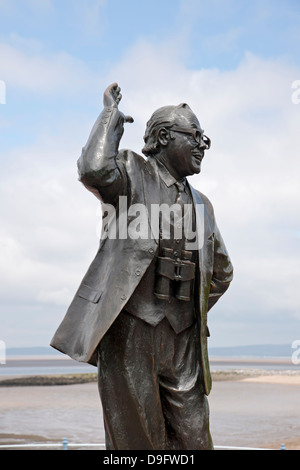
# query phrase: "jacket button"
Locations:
[[123, 297], [138, 272]]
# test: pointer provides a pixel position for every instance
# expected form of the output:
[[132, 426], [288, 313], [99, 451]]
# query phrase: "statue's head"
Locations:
[[174, 135]]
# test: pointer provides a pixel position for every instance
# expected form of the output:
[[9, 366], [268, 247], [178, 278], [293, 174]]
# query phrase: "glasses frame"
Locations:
[[184, 130]]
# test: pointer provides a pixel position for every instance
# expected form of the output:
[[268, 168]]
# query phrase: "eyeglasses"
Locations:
[[197, 135]]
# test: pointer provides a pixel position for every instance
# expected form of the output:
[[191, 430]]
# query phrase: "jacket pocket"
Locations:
[[88, 293]]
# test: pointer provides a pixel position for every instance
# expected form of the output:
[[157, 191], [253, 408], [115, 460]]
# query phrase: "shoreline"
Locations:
[[289, 377]]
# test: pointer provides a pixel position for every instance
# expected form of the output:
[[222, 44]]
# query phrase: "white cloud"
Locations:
[[59, 296], [46, 217], [33, 70]]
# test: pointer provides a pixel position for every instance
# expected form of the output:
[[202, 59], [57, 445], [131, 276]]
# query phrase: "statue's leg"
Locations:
[[184, 402], [128, 386]]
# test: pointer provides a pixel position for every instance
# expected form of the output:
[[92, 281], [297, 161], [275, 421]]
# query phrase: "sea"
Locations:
[[45, 361]]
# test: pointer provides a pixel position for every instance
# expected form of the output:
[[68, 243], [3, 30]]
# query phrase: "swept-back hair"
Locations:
[[162, 117]]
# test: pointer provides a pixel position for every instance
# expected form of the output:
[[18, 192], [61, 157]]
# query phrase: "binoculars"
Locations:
[[171, 268]]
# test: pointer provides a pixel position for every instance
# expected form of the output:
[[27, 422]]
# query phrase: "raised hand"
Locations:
[[112, 97]]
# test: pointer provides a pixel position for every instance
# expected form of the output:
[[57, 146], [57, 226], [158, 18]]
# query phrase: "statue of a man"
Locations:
[[140, 313]]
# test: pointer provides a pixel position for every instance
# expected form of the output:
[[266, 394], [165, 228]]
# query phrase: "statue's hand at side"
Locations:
[[112, 97]]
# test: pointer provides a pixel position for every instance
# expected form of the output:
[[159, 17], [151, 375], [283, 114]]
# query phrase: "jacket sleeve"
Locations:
[[100, 168], [222, 270]]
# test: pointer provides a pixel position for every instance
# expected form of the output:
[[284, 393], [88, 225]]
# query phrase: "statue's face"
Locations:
[[185, 150]]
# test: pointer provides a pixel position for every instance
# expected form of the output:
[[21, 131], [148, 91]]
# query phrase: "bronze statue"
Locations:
[[140, 313]]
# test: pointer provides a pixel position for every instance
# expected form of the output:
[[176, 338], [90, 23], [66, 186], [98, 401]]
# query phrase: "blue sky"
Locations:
[[234, 62]]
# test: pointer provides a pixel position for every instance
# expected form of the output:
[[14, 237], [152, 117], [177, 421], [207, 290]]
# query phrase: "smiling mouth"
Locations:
[[198, 156]]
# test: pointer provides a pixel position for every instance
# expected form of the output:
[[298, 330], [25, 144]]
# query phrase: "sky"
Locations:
[[234, 62]]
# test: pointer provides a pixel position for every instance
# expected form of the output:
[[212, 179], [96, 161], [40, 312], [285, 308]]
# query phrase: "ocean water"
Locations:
[[20, 366], [276, 364], [43, 366]]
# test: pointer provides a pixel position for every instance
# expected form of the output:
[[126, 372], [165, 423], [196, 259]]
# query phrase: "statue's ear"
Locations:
[[163, 136]]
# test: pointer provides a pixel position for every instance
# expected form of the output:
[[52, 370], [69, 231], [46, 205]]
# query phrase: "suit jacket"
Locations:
[[121, 262]]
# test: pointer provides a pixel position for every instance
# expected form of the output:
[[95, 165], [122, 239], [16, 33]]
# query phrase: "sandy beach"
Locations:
[[257, 409]]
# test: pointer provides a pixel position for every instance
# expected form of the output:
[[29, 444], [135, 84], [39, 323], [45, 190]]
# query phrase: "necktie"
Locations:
[[181, 199], [180, 196], [183, 216]]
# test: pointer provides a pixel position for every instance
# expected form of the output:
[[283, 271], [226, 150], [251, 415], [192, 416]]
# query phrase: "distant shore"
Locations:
[[291, 377], [46, 380]]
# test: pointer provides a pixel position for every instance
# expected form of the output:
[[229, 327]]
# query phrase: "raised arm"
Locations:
[[98, 167]]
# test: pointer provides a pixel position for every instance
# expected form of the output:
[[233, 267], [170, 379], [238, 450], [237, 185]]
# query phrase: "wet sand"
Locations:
[[258, 409]]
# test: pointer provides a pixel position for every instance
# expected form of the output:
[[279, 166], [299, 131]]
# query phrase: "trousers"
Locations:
[[150, 384]]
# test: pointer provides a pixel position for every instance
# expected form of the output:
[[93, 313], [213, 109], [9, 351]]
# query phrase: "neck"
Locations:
[[169, 167]]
